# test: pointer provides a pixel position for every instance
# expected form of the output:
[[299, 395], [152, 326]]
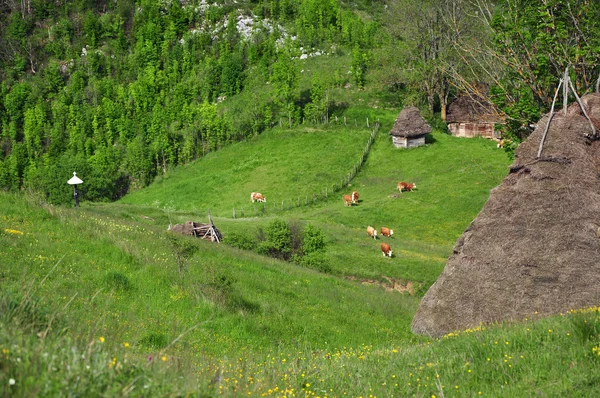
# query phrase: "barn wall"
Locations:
[[417, 141], [400, 142], [470, 130], [403, 142]]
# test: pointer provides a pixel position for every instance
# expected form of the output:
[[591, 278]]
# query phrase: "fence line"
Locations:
[[323, 194]]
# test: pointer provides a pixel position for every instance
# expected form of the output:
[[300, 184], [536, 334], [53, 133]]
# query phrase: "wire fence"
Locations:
[[262, 208]]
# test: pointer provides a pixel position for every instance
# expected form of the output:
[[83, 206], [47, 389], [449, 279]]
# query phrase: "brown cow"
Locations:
[[355, 197], [258, 197], [347, 200], [387, 232], [372, 232], [386, 250], [405, 186]]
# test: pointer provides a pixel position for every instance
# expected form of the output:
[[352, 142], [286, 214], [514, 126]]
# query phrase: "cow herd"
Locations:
[[386, 250], [352, 199]]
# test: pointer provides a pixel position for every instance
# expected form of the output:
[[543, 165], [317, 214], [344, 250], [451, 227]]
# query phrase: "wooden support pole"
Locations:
[[549, 119], [234, 213], [582, 108], [566, 90]]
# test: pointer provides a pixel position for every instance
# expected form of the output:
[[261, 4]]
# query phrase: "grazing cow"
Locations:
[[347, 200], [405, 186], [372, 232], [386, 250], [255, 196], [387, 232], [355, 197]]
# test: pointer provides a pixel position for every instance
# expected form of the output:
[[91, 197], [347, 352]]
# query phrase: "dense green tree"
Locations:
[[536, 42], [285, 80]]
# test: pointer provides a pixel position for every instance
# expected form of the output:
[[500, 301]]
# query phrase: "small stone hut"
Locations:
[[473, 117], [410, 129]]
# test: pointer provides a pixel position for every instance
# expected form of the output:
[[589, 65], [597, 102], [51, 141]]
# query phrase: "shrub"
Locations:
[[278, 242], [241, 241], [313, 240]]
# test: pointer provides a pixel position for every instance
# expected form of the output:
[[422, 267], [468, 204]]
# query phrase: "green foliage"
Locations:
[[240, 240], [537, 42], [285, 79], [278, 240], [313, 240], [183, 249], [360, 62]]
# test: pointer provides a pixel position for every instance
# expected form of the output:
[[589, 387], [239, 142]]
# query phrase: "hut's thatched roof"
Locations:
[[410, 123], [470, 109], [534, 247]]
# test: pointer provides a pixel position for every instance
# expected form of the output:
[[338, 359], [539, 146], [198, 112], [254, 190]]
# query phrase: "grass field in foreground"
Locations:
[[95, 305]]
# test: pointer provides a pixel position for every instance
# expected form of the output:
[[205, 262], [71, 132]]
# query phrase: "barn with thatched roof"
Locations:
[[470, 116], [534, 249], [410, 129]]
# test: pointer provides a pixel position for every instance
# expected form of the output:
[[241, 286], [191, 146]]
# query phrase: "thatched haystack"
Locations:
[[409, 129], [202, 231], [469, 116], [533, 249]]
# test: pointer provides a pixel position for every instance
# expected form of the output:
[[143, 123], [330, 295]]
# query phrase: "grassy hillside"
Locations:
[[453, 179], [96, 305]]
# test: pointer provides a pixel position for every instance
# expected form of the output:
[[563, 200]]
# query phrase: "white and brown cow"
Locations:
[[387, 232], [386, 250], [372, 232], [405, 186], [257, 197], [355, 197], [348, 200]]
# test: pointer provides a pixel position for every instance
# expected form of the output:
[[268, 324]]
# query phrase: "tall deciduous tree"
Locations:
[[285, 81]]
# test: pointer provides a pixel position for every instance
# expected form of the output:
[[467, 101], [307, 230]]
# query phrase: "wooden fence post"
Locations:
[[367, 122], [234, 213], [298, 201]]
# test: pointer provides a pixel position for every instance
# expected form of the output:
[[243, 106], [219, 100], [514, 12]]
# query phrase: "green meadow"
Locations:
[[102, 301]]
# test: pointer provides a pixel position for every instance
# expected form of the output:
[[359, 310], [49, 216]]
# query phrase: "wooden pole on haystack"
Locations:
[[549, 119]]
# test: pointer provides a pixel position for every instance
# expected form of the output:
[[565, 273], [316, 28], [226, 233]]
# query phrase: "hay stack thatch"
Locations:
[[409, 129], [533, 249], [410, 123]]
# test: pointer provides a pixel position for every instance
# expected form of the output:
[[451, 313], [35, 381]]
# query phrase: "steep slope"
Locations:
[[534, 248]]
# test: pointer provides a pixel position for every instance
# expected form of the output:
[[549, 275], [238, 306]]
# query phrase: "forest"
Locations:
[[124, 90]]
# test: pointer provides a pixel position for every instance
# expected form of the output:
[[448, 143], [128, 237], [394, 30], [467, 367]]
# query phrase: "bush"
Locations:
[[313, 240], [278, 242], [241, 241], [315, 260]]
